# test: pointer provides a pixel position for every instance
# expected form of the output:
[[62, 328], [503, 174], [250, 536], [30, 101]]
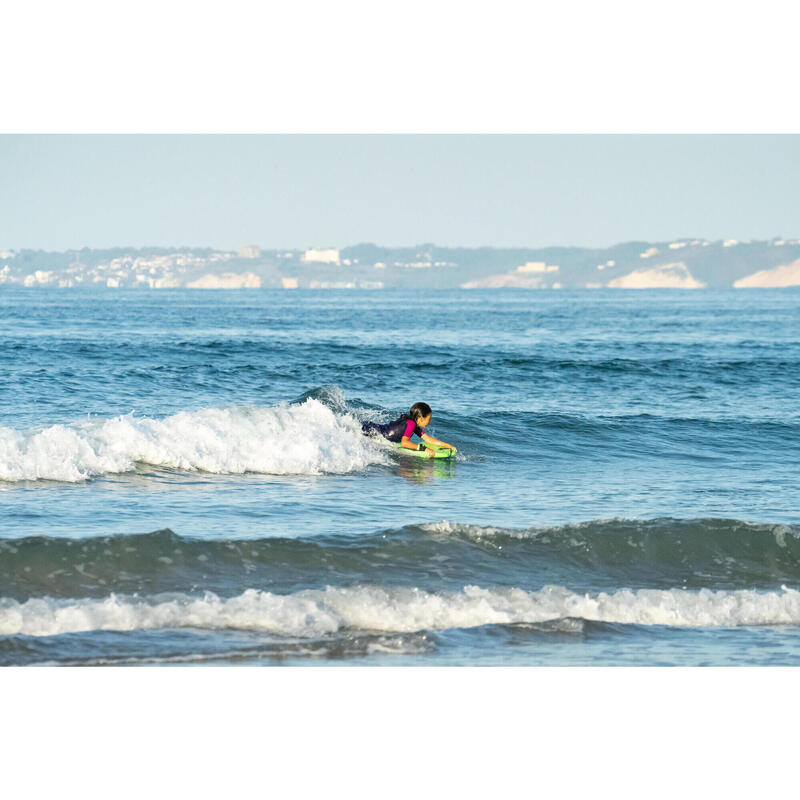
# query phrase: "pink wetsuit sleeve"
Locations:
[[410, 426]]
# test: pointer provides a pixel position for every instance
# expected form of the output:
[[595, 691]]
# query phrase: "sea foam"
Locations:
[[303, 439], [311, 613]]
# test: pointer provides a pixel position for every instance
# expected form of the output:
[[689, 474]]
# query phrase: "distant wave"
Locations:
[[303, 439], [662, 539], [314, 613], [602, 554], [709, 552]]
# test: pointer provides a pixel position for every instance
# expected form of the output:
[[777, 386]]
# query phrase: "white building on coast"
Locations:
[[315, 255], [249, 251]]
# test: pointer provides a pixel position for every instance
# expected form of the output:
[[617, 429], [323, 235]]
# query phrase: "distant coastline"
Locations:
[[680, 264]]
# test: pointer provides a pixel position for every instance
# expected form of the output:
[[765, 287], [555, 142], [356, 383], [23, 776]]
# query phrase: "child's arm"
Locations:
[[431, 440]]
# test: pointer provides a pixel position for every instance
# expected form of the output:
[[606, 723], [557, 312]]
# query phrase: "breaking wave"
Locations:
[[314, 613], [302, 439]]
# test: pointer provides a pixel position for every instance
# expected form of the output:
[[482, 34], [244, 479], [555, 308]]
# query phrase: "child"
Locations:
[[402, 429]]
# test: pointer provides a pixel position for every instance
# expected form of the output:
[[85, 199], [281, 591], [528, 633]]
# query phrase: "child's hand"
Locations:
[[431, 453]]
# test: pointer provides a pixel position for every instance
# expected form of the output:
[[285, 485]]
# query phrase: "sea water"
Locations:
[[183, 479]]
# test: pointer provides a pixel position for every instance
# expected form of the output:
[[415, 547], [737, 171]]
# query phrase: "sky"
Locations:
[[59, 192]]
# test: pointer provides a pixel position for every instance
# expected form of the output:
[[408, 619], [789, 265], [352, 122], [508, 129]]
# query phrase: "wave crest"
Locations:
[[303, 439], [314, 613]]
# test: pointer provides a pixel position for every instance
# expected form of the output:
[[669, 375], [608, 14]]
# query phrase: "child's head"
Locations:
[[421, 414]]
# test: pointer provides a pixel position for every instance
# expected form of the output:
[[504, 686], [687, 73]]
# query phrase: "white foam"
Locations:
[[313, 613], [480, 532], [303, 439]]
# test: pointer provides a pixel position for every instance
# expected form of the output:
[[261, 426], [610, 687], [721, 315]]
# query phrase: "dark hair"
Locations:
[[418, 411]]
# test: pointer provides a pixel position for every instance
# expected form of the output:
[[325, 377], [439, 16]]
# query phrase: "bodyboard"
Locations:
[[439, 451]]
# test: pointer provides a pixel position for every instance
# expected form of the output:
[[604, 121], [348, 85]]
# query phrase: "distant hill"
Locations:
[[681, 264]]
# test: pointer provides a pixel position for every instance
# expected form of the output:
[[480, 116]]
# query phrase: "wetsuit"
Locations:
[[393, 431]]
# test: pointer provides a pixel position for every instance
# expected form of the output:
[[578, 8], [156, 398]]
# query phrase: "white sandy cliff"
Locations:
[[667, 276], [528, 276], [787, 275]]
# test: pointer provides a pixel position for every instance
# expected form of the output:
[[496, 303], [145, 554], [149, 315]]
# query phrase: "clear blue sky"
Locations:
[[62, 192]]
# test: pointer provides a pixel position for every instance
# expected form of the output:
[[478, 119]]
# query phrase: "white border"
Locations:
[[354, 66], [428, 732]]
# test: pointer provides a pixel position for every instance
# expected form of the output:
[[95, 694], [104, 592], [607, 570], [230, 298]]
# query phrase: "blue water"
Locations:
[[182, 478]]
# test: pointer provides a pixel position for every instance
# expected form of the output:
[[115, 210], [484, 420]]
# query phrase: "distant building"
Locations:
[[533, 266], [289, 283], [250, 251], [331, 285], [40, 278], [537, 266], [166, 282], [329, 256], [228, 280]]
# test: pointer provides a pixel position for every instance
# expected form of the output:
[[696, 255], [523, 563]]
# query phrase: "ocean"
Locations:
[[183, 480]]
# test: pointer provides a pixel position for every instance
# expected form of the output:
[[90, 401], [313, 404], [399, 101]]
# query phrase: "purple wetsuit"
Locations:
[[394, 431]]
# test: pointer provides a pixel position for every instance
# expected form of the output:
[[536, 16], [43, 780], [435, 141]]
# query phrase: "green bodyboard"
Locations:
[[439, 452]]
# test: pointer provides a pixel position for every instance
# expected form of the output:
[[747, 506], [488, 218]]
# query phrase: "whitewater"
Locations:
[[183, 478], [306, 439]]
